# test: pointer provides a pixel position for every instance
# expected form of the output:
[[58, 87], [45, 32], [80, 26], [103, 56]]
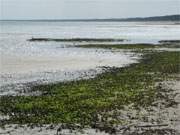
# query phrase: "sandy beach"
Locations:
[[86, 88]]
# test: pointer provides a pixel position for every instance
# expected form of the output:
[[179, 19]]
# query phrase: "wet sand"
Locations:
[[62, 65]]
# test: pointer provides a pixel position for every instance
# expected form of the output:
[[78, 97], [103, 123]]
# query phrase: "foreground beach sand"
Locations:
[[142, 98]]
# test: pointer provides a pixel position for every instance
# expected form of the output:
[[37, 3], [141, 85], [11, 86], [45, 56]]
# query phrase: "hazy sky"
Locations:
[[76, 9]]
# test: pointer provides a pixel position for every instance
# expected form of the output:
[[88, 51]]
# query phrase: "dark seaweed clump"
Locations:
[[77, 39]]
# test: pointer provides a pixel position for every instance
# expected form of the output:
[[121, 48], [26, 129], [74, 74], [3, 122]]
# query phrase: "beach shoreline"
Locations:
[[129, 113], [89, 78]]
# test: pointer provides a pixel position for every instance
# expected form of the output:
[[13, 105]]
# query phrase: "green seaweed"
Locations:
[[119, 46], [131, 46]]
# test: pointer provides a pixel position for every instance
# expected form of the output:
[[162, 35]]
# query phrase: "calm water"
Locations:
[[22, 61]]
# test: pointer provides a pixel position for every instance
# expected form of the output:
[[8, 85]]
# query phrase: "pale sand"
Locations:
[[20, 64], [17, 70]]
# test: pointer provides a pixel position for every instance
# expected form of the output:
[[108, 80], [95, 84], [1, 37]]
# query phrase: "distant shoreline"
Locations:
[[166, 18]]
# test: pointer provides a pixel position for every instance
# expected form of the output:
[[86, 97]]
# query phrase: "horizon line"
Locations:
[[89, 19]]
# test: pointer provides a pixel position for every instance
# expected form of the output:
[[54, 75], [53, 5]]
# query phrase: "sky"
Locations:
[[85, 9]]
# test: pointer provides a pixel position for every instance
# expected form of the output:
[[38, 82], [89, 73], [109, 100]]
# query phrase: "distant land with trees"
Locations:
[[155, 18], [136, 19]]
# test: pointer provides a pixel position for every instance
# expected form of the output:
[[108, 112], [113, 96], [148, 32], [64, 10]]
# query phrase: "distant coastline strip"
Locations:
[[169, 41], [175, 17]]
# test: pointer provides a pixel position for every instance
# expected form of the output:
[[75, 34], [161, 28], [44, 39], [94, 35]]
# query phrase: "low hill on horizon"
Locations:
[[138, 19], [154, 18]]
